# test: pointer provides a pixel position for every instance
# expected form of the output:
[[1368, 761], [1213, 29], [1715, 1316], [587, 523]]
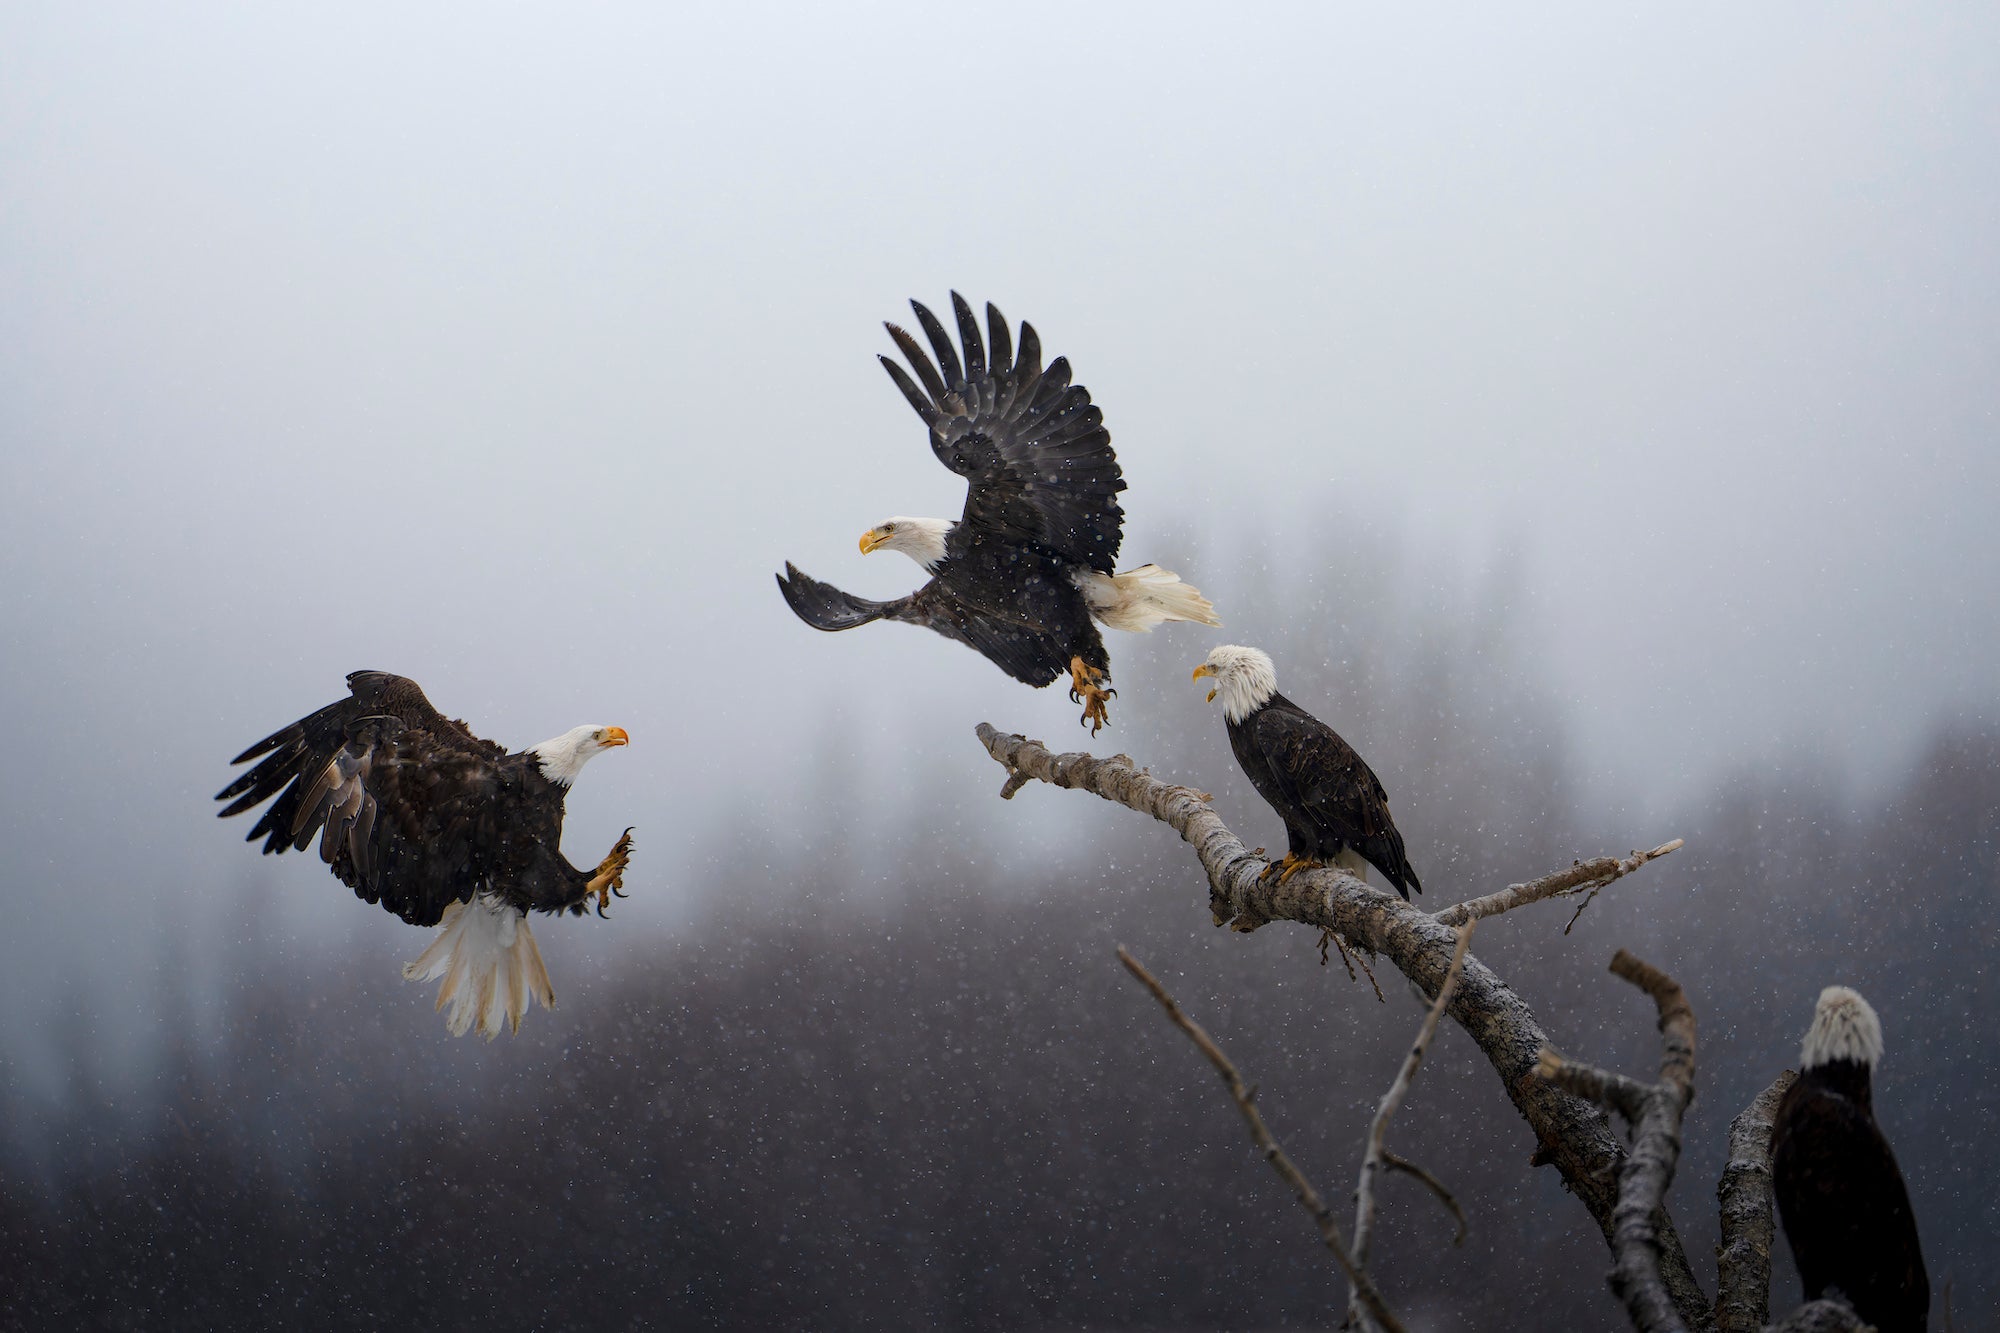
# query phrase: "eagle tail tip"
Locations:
[[490, 964]]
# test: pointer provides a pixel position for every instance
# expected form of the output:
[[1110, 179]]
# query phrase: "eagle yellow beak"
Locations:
[[871, 539], [1205, 670], [614, 736]]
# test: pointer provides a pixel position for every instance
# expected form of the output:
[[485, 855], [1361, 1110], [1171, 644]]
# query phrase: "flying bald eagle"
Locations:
[[1021, 574], [1840, 1194], [416, 813], [1333, 805]]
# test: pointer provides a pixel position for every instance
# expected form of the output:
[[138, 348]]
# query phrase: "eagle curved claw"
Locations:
[[610, 876], [1289, 866], [1087, 687]]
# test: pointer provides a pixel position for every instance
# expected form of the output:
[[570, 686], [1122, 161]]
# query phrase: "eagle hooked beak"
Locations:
[[614, 736], [873, 538], [1205, 670]]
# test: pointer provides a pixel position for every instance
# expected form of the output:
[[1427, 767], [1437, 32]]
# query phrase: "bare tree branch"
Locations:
[[1638, 1220], [1246, 1101], [1584, 876], [1392, 1101], [1743, 1258], [1571, 1134]]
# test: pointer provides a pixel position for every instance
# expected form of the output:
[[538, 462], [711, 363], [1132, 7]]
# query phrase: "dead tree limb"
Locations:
[[1743, 1257], [1571, 1134], [1374, 1159], [1655, 1113], [1582, 877], [1245, 1098]]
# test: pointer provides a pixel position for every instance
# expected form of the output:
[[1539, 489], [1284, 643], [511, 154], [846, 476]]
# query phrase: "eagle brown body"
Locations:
[[441, 827], [1842, 1199], [410, 808]]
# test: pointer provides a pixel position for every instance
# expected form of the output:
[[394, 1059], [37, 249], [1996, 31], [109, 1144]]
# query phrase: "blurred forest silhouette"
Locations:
[[942, 1104]]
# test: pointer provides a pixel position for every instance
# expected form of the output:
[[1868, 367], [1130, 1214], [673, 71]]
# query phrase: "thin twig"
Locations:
[[1435, 1186], [1392, 1101], [1570, 1134], [1591, 876], [1245, 1098], [1743, 1258], [1577, 915]]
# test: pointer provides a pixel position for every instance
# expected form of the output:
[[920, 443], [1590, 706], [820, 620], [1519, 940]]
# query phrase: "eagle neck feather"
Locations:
[[561, 758]]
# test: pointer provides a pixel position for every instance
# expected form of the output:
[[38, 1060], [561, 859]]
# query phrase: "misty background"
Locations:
[[1592, 412]]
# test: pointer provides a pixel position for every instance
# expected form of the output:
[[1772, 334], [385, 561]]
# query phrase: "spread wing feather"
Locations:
[[1032, 447], [1024, 651]]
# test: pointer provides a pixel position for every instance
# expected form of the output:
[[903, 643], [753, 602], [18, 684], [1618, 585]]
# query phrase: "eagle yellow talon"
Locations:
[[1087, 687], [610, 876], [1289, 866]]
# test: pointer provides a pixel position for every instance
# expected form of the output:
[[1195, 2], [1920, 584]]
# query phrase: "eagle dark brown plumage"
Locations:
[[1841, 1197], [413, 811]]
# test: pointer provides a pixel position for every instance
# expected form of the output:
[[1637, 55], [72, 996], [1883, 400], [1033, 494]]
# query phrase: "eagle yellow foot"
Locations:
[[1087, 687], [1291, 865], [610, 876]]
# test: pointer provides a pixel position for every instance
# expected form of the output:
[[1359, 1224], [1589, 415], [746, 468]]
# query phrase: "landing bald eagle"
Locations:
[[416, 813], [1024, 570], [1333, 805], [1840, 1194]]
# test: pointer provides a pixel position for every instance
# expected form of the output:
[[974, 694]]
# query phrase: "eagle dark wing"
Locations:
[[1331, 787], [826, 607], [1025, 651], [1029, 442], [404, 802], [1845, 1208]]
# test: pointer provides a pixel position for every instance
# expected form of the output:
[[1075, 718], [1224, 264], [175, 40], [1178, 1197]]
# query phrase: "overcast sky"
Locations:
[[513, 348]]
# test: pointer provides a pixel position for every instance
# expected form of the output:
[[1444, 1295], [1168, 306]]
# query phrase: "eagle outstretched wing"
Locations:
[[1030, 654], [1326, 780], [399, 797], [1030, 443]]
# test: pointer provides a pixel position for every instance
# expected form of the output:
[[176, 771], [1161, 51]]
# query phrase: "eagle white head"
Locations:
[[564, 757], [1844, 1027], [1245, 678], [921, 539]]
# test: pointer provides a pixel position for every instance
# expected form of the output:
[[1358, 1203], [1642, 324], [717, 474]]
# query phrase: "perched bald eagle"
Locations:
[[1840, 1194], [1333, 805], [1024, 570], [416, 813]]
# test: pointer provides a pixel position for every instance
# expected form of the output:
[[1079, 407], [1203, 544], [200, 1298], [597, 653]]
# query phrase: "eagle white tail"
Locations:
[[490, 965], [1141, 598]]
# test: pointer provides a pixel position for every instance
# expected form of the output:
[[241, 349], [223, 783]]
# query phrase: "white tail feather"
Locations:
[[1141, 598], [490, 965]]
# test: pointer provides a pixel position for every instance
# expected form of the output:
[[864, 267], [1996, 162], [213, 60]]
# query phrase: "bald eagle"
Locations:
[[1840, 1194], [416, 813], [1028, 565], [1333, 805]]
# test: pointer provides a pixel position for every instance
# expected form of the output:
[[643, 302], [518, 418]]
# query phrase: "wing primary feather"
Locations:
[[1002, 349], [968, 333], [919, 362], [270, 742], [1028, 361], [947, 355], [925, 408]]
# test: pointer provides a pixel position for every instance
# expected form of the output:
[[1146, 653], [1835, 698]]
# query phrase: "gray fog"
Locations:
[[514, 350]]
